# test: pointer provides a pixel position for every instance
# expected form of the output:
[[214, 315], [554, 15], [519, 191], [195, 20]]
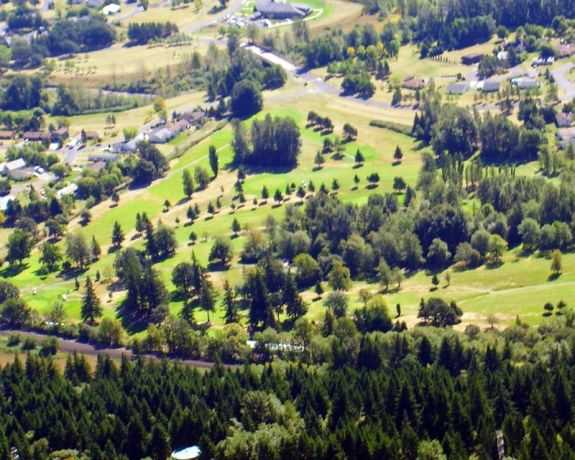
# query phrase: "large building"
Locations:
[[272, 9]]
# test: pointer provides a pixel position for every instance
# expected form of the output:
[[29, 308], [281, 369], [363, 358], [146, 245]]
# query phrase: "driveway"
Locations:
[[566, 86]]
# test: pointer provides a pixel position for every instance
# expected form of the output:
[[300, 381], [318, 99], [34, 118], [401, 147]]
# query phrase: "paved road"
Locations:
[[71, 346], [317, 84], [566, 86]]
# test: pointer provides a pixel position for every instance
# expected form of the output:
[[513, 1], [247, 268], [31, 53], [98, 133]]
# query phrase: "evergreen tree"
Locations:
[[91, 308], [295, 306], [187, 183], [117, 235], [231, 309], [214, 162], [95, 248]]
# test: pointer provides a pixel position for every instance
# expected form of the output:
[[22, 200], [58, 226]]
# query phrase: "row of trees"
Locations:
[[142, 33]]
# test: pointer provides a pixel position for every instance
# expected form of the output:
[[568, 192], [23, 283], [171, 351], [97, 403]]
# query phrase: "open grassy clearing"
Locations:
[[120, 63]]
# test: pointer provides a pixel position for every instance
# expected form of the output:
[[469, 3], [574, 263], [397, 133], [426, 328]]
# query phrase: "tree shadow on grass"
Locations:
[[13, 270]]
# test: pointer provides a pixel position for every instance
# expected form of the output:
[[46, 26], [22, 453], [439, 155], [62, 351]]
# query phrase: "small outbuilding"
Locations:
[[458, 87], [525, 83]]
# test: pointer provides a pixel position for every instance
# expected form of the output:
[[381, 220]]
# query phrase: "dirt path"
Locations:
[[71, 346]]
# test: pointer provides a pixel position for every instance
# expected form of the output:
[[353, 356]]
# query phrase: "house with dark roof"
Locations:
[[273, 9], [7, 135], [490, 86], [36, 136], [194, 117], [59, 135]]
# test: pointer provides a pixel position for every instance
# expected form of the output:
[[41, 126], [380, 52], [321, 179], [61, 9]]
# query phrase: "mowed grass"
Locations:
[[377, 148], [519, 287]]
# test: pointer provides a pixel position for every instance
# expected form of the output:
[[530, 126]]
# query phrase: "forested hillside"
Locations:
[[398, 396]]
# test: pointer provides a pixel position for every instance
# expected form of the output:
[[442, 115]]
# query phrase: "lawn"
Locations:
[[519, 287]]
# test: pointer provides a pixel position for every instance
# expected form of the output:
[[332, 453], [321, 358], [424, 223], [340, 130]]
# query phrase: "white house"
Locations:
[[68, 190], [4, 200], [111, 9]]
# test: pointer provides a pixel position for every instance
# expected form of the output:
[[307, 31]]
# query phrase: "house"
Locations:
[[413, 83], [4, 200], [102, 156], [96, 166], [36, 136], [566, 136], [563, 120], [95, 3], [68, 190], [59, 135], [274, 9], [124, 147], [161, 135], [7, 135], [195, 117], [502, 55], [180, 126], [9, 167], [525, 83], [111, 9], [470, 59], [490, 86], [565, 50], [91, 136], [458, 87]]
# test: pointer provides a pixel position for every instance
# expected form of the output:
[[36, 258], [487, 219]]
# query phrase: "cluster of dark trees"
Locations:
[[142, 33], [22, 93], [66, 36], [418, 395], [358, 83], [24, 17], [459, 133], [241, 75], [147, 165], [273, 143]]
